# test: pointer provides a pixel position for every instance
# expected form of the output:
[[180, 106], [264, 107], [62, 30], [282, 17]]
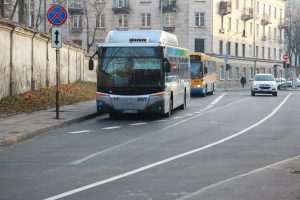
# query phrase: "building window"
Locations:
[[237, 4], [256, 51], [251, 73], [275, 12], [270, 71], [269, 34], [199, 45], [228, 48], [257, 8], [146, 20], [269, 53], [122, 3], [263, 52], [257, 30], [123, 21], [251, 28], [7, 1], [77, 21], [199, 19], [236, 49], [221, 47], [100, 21], [274, 54], [229, 23], [243, 50], [229, 74], [245, 72], [170, 19], [222, 71], [237, 73], [275, 33], [280, 54], [75, 3]]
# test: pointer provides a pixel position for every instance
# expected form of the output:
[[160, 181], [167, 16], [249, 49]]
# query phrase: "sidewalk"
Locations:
[[21, 127]]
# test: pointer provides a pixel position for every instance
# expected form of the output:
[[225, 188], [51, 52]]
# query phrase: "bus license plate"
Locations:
[[130, 111]]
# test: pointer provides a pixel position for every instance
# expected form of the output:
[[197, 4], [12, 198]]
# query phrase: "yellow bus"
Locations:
[[203, 74]]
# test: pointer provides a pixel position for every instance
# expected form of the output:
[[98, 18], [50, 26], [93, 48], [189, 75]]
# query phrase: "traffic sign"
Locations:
[[57, 15], [286, 57], [56, 41]]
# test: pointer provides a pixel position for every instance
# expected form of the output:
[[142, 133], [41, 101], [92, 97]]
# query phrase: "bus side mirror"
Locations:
[[167, 66], [91, 64]]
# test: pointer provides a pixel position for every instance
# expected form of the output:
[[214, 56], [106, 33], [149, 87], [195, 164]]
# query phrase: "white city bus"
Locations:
[[141, 72]]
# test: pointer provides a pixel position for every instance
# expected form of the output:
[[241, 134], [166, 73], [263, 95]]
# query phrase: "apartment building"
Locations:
[[246, 34]]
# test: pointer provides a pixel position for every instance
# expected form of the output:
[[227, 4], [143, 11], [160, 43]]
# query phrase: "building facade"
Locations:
[[247, 36]]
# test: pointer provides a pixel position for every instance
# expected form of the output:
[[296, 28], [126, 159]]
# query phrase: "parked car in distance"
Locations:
[[290, 82], [264, 84], [281, 83]]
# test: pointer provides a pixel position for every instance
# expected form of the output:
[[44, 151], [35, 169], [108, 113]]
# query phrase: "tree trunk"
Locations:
[[22, 17], [1, 8]]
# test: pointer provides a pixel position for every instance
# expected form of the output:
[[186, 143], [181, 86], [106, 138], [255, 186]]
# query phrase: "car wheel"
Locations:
[[252, 93], [274, 94]]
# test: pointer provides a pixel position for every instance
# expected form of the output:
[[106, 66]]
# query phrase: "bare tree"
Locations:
[[91, 28], [1, 8], [22, 17]]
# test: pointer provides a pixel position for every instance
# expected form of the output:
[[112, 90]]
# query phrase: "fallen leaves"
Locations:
[[46, 97]]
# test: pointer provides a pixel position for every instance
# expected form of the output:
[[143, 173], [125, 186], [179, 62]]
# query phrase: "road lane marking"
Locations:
[[111, 127], [138, 124], [144, 168], [83, 131], [198, 192], [79, 161]]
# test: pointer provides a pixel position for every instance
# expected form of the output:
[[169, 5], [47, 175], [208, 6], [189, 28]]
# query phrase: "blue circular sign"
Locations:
[[57, 15]]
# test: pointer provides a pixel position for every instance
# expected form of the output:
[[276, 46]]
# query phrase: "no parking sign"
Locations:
[[57, 15]]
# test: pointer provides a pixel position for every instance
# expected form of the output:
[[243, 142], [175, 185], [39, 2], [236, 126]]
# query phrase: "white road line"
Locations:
[[198, 192], [79, 161], [86, 187], [188, 115], [83, 131], [177, 117], [138, 124], [218, 99], [111, 127]]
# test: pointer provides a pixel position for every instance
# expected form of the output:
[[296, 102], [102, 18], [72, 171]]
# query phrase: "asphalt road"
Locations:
[[225, 146]]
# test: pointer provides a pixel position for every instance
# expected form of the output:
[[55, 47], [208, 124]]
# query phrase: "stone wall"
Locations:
[[28, 62]]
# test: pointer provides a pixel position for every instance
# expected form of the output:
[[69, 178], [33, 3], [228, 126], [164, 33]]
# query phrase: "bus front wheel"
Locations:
[[170, 108]]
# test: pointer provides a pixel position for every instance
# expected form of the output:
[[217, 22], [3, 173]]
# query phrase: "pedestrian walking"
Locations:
[[243, 81]]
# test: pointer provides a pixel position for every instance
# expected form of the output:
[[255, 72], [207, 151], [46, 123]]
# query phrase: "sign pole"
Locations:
[[57, 15], [57, 81]]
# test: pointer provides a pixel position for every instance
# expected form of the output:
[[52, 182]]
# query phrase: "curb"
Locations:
[[25, 136]]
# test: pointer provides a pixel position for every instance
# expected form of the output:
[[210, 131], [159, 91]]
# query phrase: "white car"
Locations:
[[264, 84]]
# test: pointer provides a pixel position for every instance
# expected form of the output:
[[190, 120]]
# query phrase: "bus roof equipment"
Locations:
[[142, 37]]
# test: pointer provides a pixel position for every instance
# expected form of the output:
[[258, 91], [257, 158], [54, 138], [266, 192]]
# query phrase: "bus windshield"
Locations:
[[130, 67], [196, 70]]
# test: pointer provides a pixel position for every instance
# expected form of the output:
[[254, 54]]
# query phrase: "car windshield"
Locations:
[[264, 78]]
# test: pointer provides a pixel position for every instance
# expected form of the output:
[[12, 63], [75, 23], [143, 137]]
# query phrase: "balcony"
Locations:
[[264, 38], [121, 7], [266, 20], [284, 22], [168, 6], [76, 9], [247, 14], [76, 29], [170, 29], [225, 7]]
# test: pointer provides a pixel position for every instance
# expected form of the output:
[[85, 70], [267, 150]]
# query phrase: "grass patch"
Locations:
[[46, 97]]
